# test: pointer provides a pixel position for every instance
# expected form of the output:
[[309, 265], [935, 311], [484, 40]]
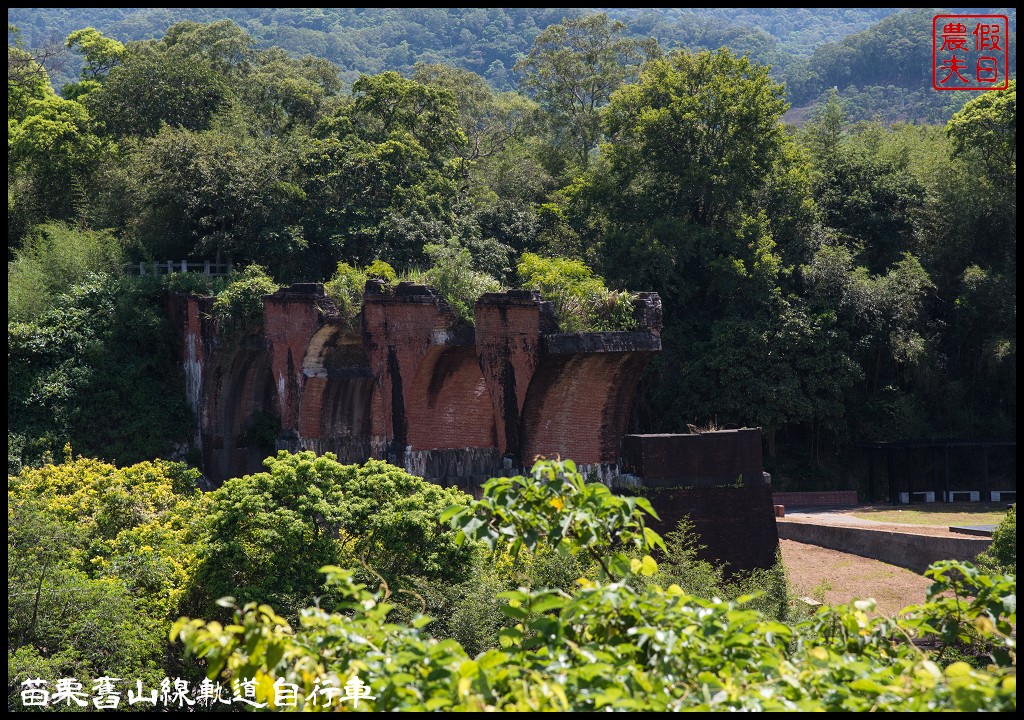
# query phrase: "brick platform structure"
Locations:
[[408, 382], [716, 481]]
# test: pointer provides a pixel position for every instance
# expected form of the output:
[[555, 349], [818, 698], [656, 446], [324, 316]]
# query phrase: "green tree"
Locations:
[[221, 191], [222, 43], [698, 176], [272, 531], [284, 93], [153, 87], [504, 169], [54, 149], [985, 132], [695, 136], [384, 173], [99, 559], [26, 78], [573, 68], [871, 198], [101, 53]]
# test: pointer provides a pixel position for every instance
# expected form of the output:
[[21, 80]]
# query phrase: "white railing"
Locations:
[[166, 267]]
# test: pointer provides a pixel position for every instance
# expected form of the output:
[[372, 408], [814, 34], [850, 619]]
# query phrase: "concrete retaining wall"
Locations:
[[824, 498], [913, 552]]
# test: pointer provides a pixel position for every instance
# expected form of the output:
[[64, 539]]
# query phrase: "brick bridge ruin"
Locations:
[[407, 382]]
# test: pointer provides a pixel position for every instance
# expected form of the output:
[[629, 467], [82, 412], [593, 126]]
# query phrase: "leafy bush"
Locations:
[[453, 275], [272, 531], [582, 302], [1001, 555], [195, 283], [98, 560], [380, 270], [609, 645], [241, 302], [54, 258], [97, 370], [347, 285]]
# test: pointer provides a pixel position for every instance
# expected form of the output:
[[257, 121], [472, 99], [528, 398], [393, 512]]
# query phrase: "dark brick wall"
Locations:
[[736, 524], [698, 460], [697, 476]]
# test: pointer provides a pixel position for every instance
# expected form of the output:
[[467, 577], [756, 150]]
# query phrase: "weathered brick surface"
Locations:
[[578, 406], [509, 328], [715, 479], [448, 404], [698, 460], [238, 385], [736, 524], [407, 376], [291, 317], [399, 330]]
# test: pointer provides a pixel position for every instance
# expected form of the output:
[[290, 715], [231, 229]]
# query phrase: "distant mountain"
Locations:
[[878, 58], [484, 40]]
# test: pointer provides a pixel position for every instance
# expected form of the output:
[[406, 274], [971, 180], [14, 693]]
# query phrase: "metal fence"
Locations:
[[166, 267]]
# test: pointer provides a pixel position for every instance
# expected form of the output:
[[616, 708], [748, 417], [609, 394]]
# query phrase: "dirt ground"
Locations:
[[837, 578]]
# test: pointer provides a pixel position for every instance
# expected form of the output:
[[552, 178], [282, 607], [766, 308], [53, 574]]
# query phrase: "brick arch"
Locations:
[[577, 406], [341, 401], [447, 403], [240, 389]]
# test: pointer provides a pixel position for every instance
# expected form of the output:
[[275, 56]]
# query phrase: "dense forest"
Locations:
[[855, 280], [847, 277], [877, 58]]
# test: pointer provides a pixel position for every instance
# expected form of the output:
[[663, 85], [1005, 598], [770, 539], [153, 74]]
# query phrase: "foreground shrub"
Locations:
[[272, 531], [607, 644], [98, 561], [1001, 555]]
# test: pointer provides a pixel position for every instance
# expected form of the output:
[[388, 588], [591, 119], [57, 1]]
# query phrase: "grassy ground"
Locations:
[[944, 514]]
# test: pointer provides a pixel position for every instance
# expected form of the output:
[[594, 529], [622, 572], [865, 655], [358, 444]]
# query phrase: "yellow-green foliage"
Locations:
[[346, 287], [99, 560], [143, 524], [582, 302], [454, 276], [1001, 555], [54, 258]]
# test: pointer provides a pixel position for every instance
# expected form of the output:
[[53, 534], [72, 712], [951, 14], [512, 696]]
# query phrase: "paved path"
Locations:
[[842, 517]]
